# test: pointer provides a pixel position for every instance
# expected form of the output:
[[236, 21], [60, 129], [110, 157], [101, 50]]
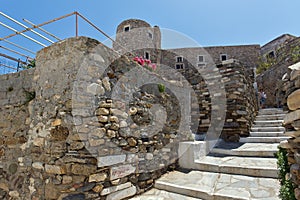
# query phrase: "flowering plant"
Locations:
[[145, 63]]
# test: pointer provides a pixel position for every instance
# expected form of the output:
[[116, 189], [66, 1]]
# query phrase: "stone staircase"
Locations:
[[244, 170]]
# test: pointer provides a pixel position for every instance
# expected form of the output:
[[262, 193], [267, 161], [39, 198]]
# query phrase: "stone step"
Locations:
[[270, 117], [249, 166], [263, 139], [267, 129], [267, 134], [266, 123], [215, 186], [272, 111], [156, 194], [247, 149]]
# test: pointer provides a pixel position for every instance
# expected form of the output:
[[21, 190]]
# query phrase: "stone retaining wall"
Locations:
[[291, 92]]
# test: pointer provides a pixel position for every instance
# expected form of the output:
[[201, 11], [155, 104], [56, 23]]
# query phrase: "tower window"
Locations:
[[126, 28], [147, 55], [150, 35], [223, 57], [179, 59]]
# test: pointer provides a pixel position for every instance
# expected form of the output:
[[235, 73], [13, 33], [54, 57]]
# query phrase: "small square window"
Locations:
[[201, 59], [223, 57], [201, 64], [126, 28], [147, 55], [150, 35], [179, 66], [179, 59]]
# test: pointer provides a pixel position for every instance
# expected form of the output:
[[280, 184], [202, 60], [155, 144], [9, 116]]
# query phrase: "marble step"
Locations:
[[271, 111], [267, 123], [267, 134], [247, 149], [249, 166], [156, 194], [270, 117], [267, 129], [263, 139], [216, 186]]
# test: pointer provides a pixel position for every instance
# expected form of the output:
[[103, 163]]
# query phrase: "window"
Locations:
[[179, 66], [150, 35], [223, 57], [126, 28], [179, 59], [201, 64], [271, 54], [201, 59], [147, 55]]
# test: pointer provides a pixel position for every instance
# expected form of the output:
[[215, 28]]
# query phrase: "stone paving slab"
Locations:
[[252, 166], [247, 149], [208, 185], [156, 194]]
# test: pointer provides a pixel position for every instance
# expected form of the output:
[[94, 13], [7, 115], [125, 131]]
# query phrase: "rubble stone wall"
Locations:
[[271, 80], [291, 92], [76, 128]]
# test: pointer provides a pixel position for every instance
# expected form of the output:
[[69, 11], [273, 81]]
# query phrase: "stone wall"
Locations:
[[81, 126], [291, 91], [271, 80], [275, 44]]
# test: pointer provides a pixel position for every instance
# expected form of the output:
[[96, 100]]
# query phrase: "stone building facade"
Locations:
[[269, 49]]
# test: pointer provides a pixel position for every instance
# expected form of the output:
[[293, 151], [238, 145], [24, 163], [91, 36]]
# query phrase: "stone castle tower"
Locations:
[[138, 37]]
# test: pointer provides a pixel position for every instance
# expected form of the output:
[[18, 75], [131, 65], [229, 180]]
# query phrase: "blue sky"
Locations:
[[209, 22]]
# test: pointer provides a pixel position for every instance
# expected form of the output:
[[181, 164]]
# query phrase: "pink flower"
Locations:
[[148, 61], [153, 66]]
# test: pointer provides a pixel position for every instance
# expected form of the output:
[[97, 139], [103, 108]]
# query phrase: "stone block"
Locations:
[[121, 171], [110, 160], [97, 177], [290, 117], [56, 122], [294, 74], [102, 111], [119, 113], [95, 89], [112, 189], [293, 100], [96, 142], [67, 179], [98, 132], [55, 169], [122, 194], [38, 165], [82, 169], [106, 83]]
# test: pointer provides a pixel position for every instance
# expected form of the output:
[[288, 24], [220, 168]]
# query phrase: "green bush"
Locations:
[[161, 88], [287, 187]]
